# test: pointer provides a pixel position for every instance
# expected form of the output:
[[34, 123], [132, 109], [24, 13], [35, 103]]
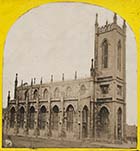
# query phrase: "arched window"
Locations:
[[20, 95], [12, 117], [119, 56], [85, 121], [42, 117], [82, 89], [105, 54], [35, 95], [104, 120], [68, 92], [56, 93], [26, 95], [55, 117], [31, 117], [45, 94], [21, 117], [119, 124], [70, 116]]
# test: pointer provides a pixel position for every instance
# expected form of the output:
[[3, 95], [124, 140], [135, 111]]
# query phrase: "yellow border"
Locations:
[[11, 10]]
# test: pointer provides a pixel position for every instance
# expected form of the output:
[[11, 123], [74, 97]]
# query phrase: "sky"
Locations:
[[58, 38]]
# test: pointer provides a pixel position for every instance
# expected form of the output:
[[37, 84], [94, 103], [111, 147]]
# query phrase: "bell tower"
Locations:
[[110, 79]]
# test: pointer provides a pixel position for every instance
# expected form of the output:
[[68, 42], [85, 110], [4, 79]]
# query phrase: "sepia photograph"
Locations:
[[70, 79]]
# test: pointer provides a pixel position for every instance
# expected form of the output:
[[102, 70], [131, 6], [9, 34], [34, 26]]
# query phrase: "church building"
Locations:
[[90, 108]]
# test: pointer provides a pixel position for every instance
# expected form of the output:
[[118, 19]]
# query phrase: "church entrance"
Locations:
[[85, 122], [103, 123]]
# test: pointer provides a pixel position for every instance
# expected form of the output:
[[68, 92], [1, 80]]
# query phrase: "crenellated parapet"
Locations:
[[110, 27]]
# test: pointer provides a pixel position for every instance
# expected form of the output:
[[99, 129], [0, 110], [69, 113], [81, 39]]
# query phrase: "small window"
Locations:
[[82, 89], [104, 88], [35, 95], [56, 93], [68, 92], [20, 95], [45, 94], [119, 90]]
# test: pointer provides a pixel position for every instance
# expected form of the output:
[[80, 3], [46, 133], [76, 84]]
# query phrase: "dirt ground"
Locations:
[[30, 142]]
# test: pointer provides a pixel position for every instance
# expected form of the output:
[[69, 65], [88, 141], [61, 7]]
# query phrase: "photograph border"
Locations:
[[12, 10]]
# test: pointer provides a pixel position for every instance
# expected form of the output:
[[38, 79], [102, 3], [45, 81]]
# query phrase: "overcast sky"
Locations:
[[58, 38]]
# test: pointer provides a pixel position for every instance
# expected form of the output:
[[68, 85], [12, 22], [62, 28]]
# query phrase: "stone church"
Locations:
[[89, 108]]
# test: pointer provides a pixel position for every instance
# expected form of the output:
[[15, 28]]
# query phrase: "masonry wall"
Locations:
[[80, 96]]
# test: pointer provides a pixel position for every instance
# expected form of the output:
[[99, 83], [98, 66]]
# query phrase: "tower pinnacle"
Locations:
[[16, 83], [75, 75], [62, 76], [92, 68], [8, 98], [96, 20], [8, 95], [41, 80], [115, 18], [31, 81], [51, 78], [124, 26]]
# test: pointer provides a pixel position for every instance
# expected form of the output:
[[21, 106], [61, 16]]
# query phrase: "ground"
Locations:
[[30, 142]]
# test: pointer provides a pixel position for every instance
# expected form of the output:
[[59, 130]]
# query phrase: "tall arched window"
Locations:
[[31, 117], [105, 54], [55, 117], [68, 92], [119, 56], [42, 117], [12, 117], [56, 93], [70, 116], [21, 117], [35, 94], [119, 124], [85, 121], [45, 94]]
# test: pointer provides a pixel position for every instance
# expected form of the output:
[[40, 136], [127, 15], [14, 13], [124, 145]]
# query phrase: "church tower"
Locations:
[[110, 80]]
